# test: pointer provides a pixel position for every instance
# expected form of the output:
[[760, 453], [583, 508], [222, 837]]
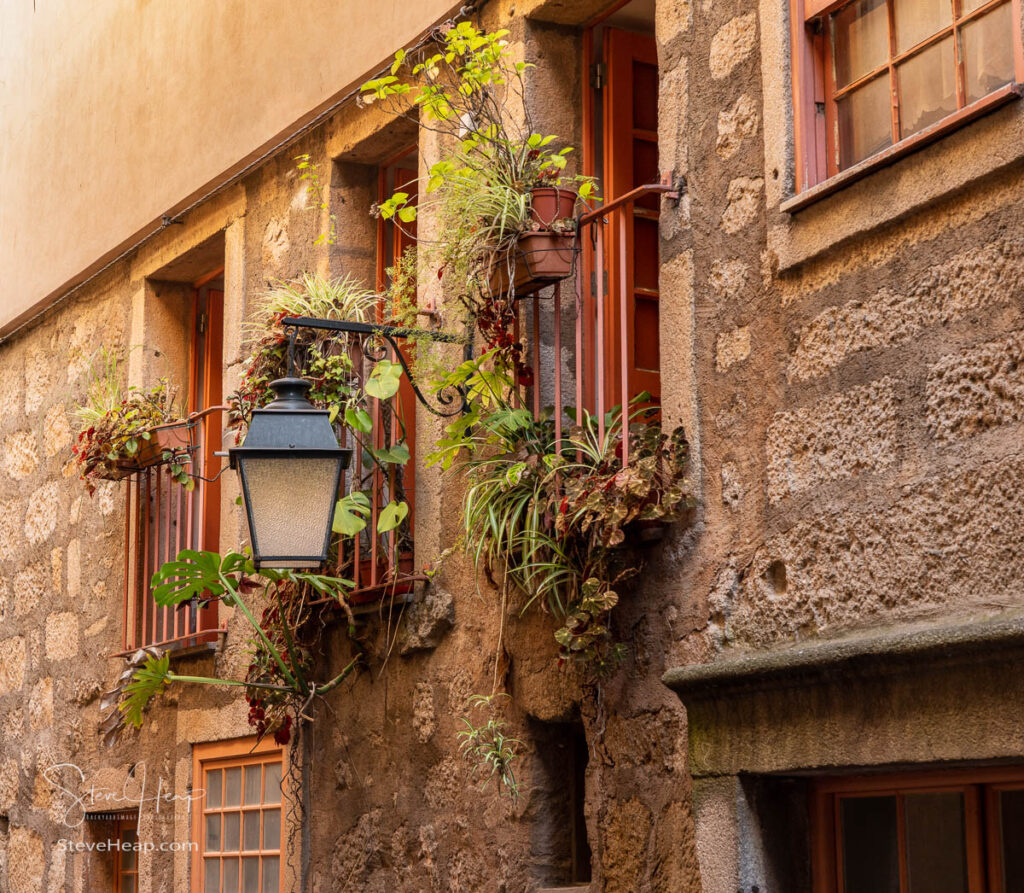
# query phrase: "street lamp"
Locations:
[[289, 468]]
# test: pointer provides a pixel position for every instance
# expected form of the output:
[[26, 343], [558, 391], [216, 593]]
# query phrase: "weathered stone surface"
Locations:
[[732, 485], [735, 124], [31, 584], [40, 704], [743, 203], [851, 433], [977, 389], [56, 431], [732, 44], [727, 277], [275, 243], [732, 348], [40, 374], [969, 281], [949, 541], [12, 663], [43, 512], [20, 454], [423, 718], [8, 784], [62, 635], [627, 826], [26, 861], [427, 620], [672, 18]]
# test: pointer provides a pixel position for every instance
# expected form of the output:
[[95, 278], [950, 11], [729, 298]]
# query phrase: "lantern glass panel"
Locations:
[[290, 504]]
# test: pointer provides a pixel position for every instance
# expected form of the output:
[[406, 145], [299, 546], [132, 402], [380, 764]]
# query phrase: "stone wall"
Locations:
[[850, 382]]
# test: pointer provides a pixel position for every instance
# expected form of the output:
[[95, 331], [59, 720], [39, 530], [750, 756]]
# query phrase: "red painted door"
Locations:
[[631, 159]]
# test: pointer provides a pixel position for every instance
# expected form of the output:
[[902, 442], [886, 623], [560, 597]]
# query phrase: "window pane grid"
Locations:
[[241, 835], [928, 78]]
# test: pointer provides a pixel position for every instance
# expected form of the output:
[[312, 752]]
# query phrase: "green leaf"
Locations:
[[347, 512], [393, 514], [359, 419], [407, 214], [384, 381], [396, 455], [192, 575], [149, 681]]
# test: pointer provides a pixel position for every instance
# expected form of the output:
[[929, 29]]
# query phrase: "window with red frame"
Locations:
[[928, 832], [873, 76], [162, 518]]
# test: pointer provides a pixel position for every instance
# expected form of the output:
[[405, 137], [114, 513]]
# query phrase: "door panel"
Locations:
[[631, 160]]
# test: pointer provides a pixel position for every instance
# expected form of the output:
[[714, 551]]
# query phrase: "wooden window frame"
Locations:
[[980, 788], [120, 872], [225, 755], [814, 95]]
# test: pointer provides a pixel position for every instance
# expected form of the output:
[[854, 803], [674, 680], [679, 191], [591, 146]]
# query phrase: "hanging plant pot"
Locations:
[[550, 203], [366, 594], [538, 259], [175, 437]]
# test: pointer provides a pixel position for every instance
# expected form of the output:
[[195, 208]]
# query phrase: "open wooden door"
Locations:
[[630, 144]]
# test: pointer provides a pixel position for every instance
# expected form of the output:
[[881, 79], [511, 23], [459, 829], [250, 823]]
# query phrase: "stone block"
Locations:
[[20, 454], [31, 585], [56, 430], [43, 512], [12, 663], [735, 124], [976, 389], [840, 437], [732, 348], [973, 280], [743, 203], [62, 635], [732, 44], [26, 861]]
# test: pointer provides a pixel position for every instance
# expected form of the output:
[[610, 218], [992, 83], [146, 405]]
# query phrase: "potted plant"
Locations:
[[507, 209], [124, 430]]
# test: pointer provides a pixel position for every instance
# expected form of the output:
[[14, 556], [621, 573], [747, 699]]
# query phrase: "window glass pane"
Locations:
[[214, 781], [917, 20], [936, 848], [927, 85], [232, 831], [1011, 828], [212, 833], [128, 883], [233, 787], [865, 122], [251, 831], [251, 875], [272, 829], [128, 855], [211, 876], [230, 871], [253, 779], [987, 45], [870, 845], [272, 786], [271, 874], [860, 39]]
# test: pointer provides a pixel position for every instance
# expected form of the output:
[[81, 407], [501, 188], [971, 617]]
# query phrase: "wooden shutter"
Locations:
[[631, 160]]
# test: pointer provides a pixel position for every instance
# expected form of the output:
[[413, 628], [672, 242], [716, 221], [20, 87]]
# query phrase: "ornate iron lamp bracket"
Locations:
[[453, 400]]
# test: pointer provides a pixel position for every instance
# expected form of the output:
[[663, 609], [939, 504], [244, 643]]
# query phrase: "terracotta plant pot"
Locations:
[[400, 587], [539, 259], [550, 203], [174, 436]]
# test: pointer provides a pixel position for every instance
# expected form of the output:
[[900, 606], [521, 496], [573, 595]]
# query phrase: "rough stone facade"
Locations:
[[850, 378]]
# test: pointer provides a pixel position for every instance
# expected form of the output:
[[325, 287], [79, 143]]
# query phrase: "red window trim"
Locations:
[[817, 174], [979, 786]]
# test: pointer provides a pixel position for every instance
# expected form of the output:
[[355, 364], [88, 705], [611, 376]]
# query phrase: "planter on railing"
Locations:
[[537, 260], [174, 437]]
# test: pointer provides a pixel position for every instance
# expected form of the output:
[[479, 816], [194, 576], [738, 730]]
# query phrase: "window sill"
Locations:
[[912, 144]]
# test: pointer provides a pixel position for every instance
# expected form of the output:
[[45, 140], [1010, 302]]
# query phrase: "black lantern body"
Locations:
[[289, 468]]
